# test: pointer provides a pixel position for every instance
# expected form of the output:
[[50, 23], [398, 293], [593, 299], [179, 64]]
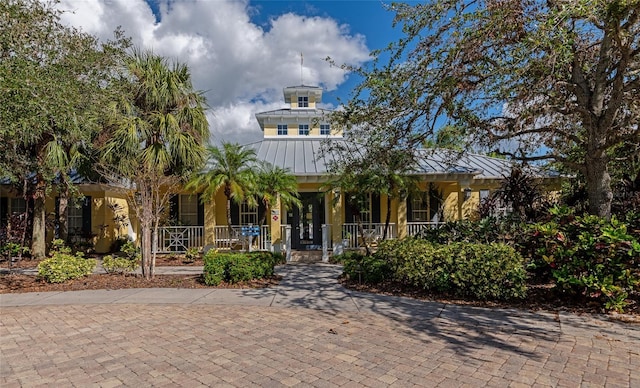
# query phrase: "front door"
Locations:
[[306, 222]]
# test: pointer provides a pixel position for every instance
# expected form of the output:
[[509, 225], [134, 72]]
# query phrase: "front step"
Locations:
[[306, 257]]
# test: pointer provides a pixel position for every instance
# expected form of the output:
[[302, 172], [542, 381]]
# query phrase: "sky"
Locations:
[[242, 53]]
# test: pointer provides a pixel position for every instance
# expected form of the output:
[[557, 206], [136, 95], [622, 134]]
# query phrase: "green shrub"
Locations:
[[191, 255], [481, 271], [587, 256], [131, 251], [119, 264], [64, 266], [215, 268], [367, 269], [238, 267]]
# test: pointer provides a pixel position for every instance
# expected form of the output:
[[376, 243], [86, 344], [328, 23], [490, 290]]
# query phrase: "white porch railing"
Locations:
[[414, 228], [179, 239], [225, 239], [373, 233]]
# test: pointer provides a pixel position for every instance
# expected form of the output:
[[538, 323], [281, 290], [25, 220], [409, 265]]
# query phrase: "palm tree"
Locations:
[[156, 140], [275, 183], [229, 168]]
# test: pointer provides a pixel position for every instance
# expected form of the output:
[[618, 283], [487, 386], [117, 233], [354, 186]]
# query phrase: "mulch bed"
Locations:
[[540, 296], [16, 283]]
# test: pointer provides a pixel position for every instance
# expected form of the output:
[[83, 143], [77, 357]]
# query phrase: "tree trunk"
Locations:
[[146, 251], [229, 220], [38, 243], [63, 206], [598, 186], [387, 219]]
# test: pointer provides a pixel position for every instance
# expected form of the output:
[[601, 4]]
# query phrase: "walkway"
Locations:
[[308, 331]]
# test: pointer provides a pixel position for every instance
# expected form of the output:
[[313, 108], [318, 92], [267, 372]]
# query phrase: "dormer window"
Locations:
[[303, 102], [325, 129], [283, 130], [303, 129]]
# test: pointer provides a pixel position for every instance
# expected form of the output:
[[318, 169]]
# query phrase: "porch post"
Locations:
[[287, 241], [325, 243], [336, 216], [402, 218]]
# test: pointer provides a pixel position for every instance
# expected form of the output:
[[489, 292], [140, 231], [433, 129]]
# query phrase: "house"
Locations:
[[97, 216], [292, 138]]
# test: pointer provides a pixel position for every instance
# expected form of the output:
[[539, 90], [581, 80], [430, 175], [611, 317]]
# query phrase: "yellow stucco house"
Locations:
[[292, 139]]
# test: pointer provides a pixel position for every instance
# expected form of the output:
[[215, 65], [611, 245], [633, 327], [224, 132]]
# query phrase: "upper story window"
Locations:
[[283, 129], [325, 129], [303, 129], [303, 102]]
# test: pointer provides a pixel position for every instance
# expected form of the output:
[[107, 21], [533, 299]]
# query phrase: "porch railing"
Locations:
[[179, 239], [225, 239], [373, 233], [414, 228]]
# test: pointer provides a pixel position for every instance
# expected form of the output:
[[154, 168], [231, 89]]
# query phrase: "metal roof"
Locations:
[[302, 157]]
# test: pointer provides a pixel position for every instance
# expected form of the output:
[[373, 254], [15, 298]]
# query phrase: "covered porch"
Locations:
[[179, 239]]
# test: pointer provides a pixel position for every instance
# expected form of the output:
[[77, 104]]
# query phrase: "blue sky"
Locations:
[[242, 53]]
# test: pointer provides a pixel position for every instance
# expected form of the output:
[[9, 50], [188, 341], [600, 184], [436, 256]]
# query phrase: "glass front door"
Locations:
[[306, 222]]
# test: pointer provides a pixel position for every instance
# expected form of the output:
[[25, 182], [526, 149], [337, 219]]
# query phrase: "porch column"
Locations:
[[275, 223], [287, 242], [325, 243], [402, 218], [209, 223], [336, 216]]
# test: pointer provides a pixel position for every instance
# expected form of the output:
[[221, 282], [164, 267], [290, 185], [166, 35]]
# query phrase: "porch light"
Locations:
[[467, 193]]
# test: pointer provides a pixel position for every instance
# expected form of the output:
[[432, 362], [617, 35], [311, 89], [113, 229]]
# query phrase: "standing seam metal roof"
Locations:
[[300, 156]]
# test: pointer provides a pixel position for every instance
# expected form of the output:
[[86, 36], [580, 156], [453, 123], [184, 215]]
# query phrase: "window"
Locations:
[[74, 216], [419, 209], [188, 210], [484, 195], [303, 129], [248, 215], [17, 206], [365, 209], [283, 129], [78, 216], [11, 207], [325, 129], [303, 102], [425, 207]]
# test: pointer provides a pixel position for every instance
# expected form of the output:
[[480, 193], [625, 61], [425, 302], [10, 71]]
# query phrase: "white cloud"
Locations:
[[240, 66]]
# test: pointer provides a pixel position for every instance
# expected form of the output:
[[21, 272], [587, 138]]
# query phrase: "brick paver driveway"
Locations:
[[290, 338]]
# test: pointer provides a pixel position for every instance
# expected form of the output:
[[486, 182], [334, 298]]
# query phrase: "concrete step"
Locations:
[[306, 257]]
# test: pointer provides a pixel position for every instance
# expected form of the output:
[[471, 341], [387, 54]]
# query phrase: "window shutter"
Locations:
[[235, 213], [56, 228], [173, 209], [200, 211], [349, 213], [86, 215], [261, 211], [409, 200], [375, 208], [4, 211]]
